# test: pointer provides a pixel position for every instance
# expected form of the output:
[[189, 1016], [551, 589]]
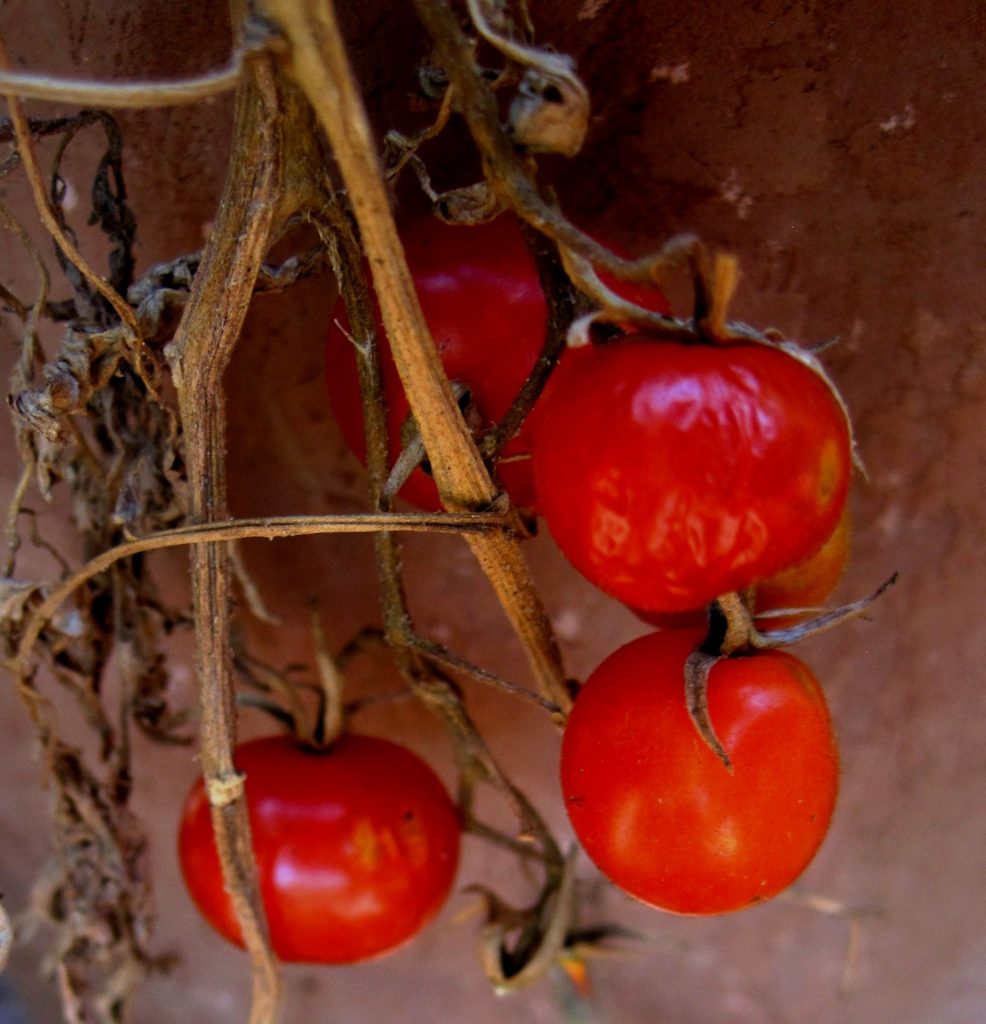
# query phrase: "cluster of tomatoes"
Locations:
[[669, 474]]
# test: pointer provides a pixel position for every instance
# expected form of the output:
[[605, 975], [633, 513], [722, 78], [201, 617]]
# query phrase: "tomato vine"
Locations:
[[148, 471]]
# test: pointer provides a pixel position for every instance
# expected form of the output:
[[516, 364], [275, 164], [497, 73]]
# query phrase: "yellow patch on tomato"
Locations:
[[829, 472]]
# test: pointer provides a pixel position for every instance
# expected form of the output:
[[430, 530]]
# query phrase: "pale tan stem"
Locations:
[[121, 95], [318, 60], [239, 529]]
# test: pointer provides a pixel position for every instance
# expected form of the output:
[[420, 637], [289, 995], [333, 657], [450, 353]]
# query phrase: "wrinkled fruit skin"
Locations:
[[356, 848], [481, 297], [805, 585], [670, 474], [655, 809]]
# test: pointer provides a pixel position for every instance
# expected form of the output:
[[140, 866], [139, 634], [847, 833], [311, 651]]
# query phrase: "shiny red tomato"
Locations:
[[656, 810], [669, 474], [356, 847], [482, 299]]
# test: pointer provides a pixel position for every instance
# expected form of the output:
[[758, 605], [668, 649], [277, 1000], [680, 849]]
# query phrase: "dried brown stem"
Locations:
[[508, 171], [199, 355], [435, 652], [476, 761], [21, 376], [238, 529]]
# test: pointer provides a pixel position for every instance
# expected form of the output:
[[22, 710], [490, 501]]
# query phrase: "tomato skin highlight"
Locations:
[[670, 474], [356, 847], [481, 297], [655, 809]]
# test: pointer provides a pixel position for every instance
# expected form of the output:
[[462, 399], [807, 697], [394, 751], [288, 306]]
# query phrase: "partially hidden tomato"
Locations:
[[656, 810], [356, 847], [805, 585], [481, 297], [670, 474]]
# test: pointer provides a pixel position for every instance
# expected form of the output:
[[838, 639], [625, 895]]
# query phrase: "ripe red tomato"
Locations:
[[669, 474], [356, 847], [481, 297], [656, 810]]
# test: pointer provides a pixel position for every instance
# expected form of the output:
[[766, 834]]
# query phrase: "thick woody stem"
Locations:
[[319, 62], [199, 355]]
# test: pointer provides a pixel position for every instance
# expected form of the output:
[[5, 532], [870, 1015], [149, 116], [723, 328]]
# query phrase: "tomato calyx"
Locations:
[[733, 632], [545, 934], [317, 728]]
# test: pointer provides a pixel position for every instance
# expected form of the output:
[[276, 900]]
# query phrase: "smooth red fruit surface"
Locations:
[[482, 299], [356, 847], [656, 810], [669, 474]]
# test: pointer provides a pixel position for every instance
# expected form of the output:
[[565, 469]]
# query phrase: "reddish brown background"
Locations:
[[838, 149]]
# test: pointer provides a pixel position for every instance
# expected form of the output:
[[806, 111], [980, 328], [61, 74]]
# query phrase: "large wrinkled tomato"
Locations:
[[654, 807], [669, 474], [482, 299], [356, 847]]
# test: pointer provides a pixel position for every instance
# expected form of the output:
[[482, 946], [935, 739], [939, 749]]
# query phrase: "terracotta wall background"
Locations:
[[836, 147]]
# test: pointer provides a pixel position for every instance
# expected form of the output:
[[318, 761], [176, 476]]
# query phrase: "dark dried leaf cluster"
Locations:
[[91, 417]]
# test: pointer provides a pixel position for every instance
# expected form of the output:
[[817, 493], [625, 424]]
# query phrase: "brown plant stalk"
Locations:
[[199, 355], [318, 60], [420, 664]]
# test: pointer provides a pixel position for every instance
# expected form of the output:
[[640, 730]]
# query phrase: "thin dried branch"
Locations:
[[49, 217], [109, 210], [438, 653], [123, 95], [21, 376], [510, 175], [233, 530], [563, 304], [424, 679]]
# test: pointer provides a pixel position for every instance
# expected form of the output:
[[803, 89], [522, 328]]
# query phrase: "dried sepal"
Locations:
[[541, 933], [550, 113], [698, 665]]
